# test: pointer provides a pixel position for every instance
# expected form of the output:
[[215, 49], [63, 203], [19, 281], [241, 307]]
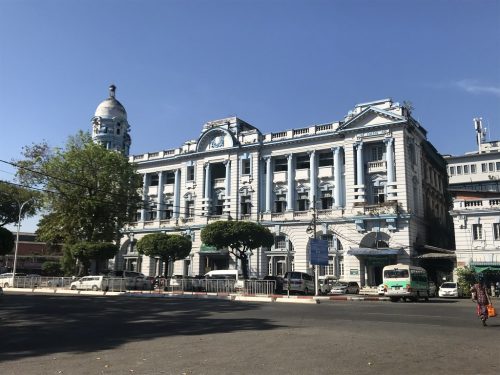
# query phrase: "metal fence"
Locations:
[[204, 285]]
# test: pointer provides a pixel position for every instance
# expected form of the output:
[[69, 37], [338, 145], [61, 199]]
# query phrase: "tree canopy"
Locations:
[[6, 241], [168, 247], [240, 237], [86, 252], [11, 198], [91, 192]]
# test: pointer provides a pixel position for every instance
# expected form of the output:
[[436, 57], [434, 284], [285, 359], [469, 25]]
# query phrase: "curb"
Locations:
[[201, 295]]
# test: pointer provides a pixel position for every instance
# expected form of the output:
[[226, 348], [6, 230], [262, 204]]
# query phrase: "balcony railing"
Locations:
[[376, 166]]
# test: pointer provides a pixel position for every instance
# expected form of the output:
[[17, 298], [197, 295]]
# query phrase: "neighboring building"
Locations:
[[367, 178], [473, 180], [31, 254]]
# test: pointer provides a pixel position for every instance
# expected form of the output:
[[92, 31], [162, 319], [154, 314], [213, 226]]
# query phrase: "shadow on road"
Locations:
[[40, 325]]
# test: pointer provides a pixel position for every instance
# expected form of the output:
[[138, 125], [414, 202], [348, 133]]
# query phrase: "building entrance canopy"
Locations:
[[486, 266], [366, 251]]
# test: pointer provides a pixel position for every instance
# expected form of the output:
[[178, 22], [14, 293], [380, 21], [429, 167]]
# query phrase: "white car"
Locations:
[[338, 288], [90, 283], [381, 290], [450, 289]]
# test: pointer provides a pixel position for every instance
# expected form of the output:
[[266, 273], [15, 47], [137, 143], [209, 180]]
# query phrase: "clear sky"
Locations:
[[276, 64]]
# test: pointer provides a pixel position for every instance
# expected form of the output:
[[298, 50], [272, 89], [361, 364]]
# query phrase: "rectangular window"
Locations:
[[496, 231], [452, 171], [477, 231], [245, 166], [302, 162], [378, 194], [189, 173], [325, 159], [466, 169], [459, 169], [137, 216], [169, 210], [170, 177], [246, 205], [484, 168], [151, 213], [491, 167], [280, 164], [189, 209], [473, 168], [280, 203], [326, 200], [498, 166], [218, 207], [303, 202], [377, 153], [280, 242], [153, 179]]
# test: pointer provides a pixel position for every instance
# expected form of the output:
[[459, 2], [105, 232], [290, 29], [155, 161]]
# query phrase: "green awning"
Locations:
[[484, 267], [208, 249]]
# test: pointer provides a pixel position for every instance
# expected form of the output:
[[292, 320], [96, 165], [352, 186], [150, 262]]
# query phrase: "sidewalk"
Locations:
[[201, 295]]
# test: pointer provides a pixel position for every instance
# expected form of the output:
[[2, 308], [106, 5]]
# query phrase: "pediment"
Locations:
[[372, 117], [215, 139]]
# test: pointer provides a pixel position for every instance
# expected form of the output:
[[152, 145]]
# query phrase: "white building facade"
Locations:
[[365, 178], [474, 182]]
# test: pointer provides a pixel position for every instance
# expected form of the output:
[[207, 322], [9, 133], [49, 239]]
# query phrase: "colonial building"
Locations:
[[366, 178], [473, 179]]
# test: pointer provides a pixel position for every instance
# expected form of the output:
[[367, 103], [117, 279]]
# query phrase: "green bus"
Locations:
[[405, 282]]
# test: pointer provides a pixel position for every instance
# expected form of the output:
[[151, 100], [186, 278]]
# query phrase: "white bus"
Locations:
[[405, 282]]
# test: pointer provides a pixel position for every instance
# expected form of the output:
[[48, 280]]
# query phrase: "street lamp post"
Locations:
[[17, 240]]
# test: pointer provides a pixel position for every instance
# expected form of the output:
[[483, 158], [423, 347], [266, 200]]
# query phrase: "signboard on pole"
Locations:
[[319, 252]]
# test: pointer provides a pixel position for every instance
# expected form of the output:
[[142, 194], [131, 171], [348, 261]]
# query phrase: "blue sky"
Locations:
[[276, 64]]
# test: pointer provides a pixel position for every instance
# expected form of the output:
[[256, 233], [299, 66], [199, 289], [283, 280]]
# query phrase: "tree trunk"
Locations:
[[244, 265]]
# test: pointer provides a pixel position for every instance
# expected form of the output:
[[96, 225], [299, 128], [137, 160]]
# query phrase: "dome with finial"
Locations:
[[111, 107]]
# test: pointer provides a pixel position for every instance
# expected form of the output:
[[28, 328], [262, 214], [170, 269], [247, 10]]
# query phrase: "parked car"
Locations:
[[298, 282], [278, 287], [352, 287], [90, 283], [338, 287], [381, 290], [450, 289], [7, 279], [326, 283]]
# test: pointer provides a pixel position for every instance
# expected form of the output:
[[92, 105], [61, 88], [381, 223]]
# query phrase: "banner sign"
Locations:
[[319, 252]]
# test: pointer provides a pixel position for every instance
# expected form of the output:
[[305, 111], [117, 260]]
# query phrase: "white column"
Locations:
[[227, 182], [337, 167], [160, 208], [359, 164], [177, 191], [144, 196], [269, 183], [389, 156], [227, 186], [207, 181], [312, 178], [291, 184]]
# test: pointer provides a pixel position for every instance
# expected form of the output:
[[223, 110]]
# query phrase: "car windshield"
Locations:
[[449, 285]]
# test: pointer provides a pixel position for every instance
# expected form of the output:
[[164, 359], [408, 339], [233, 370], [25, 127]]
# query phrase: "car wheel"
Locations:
[[6, 285], [94, 287], [73, 287]]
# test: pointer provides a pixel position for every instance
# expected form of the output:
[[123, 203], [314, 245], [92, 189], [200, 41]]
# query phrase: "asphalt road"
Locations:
[[117, 335]]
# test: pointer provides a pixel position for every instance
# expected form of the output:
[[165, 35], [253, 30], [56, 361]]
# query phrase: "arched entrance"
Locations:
[[374, 254]]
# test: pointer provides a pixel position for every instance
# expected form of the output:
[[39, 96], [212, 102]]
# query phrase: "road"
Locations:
[[118, 335]]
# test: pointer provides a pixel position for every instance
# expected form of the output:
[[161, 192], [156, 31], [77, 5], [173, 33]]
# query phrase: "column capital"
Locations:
[[388, 140], [227, 162], [206, 164], [266, 158], [336, 148], [289, 156], [358, 144]]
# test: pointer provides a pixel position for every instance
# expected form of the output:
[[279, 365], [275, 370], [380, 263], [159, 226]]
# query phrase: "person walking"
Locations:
[[480, 296]]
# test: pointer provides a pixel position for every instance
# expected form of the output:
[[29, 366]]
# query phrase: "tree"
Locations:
[[91, 192], [240, 237], [11, 197], [51, 268], [86, 252], [168, 247], [6, 241]]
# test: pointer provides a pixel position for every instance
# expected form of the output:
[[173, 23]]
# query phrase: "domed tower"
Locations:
[[110, 127]]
